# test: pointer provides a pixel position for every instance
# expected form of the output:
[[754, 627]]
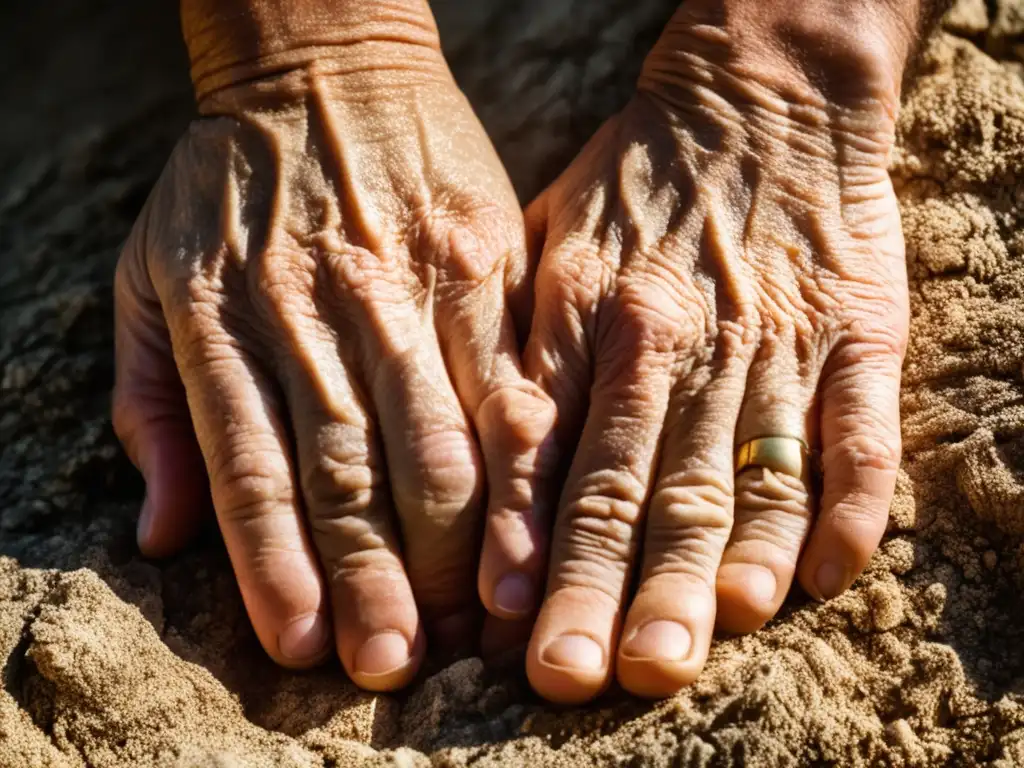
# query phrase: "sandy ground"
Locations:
[[109, 660]]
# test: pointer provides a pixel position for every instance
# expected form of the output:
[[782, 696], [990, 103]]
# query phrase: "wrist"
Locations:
[[233, 42], [846, 54]]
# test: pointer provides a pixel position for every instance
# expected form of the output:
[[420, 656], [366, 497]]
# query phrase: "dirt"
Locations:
[[112, 660]]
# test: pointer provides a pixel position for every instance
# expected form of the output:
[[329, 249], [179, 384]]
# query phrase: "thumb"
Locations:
[[151, 416]]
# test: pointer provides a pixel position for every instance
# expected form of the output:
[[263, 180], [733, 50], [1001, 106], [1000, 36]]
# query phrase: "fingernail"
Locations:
[[659, 640], [142, 530], [761, 584], [304, 638], [514, 594], [574, 652], [382, 654], [830, 580]]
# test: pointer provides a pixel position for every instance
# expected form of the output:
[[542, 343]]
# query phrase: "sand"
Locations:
[[109, 660]]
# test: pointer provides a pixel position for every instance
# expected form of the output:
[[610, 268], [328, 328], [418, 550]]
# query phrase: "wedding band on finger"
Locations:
[[779, 453]]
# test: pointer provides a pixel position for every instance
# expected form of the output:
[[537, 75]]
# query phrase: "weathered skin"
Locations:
[[723, 261], [317, 317], [325, 264]]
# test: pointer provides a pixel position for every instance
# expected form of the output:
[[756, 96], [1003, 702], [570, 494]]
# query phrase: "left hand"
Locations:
[[723, 261]]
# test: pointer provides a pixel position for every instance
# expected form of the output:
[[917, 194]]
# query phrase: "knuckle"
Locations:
[[371, 560], [472, 248], [278, 280], [341, 482], [443, 474], [346, 497], [689, 524], [196, 328], [695, 555], [566, 281], [742, 330], [520, 508], [360, 273], [195, 291], [516, 420], [449, 463], [761, 492], [600, 526], [599, 521], [611, 493], [593, 560], [872, 341], [206, 355], [778, 514], [250, 479], [697, 498], [859, 452], [645, 320]]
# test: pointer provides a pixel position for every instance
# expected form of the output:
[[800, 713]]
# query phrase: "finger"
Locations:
[[860, 431], [377, 629], [517, 537], [433, 462], [514, 419], [668, 629], [151, 418], [595, 534], [557, 357], [240, 427], [773, 510]]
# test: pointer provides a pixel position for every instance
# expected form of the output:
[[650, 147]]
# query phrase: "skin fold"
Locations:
[[320, 310]]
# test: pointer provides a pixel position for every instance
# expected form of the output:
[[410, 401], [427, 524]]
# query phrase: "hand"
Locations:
[[314, 323], [723, 261]]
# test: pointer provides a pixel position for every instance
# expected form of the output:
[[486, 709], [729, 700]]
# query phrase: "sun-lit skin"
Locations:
[[324, 265], [317, 318]]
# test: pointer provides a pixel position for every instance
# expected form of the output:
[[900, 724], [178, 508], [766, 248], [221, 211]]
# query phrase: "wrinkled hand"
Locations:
[[723, 261], [320, 287]]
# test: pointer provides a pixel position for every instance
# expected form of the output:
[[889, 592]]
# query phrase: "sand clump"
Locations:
[[109, 660]]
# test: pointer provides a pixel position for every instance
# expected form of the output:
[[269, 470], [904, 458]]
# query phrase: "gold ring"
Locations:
[[779, 453]]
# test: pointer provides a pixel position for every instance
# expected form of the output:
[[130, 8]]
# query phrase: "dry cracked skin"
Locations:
[[110, 660]]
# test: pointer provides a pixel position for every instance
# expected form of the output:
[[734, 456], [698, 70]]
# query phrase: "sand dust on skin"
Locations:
[[110, 661]]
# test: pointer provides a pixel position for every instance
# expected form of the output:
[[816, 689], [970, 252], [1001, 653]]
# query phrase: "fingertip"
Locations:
[[514, 595], [830, 578], [666, 637], [569, 659], [747, 597], [839, 550], [510, 564], [304, 641], [387, 660], [571, 668], [379, 632], [654, 659], [860, 428]]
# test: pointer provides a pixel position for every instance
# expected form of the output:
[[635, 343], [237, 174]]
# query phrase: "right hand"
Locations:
[[314, 323]]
